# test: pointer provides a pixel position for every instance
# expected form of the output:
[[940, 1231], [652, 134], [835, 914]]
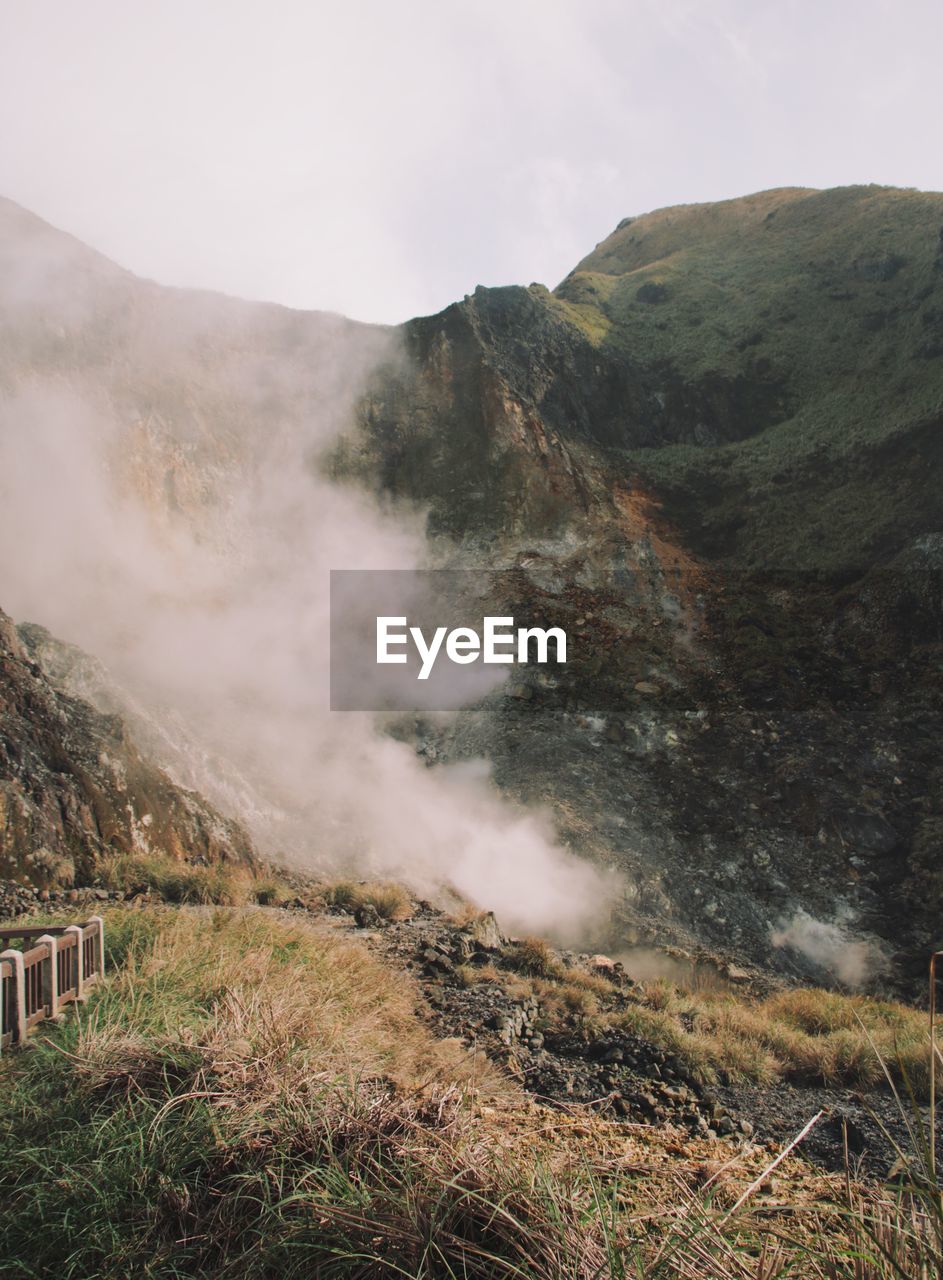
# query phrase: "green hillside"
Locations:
[[801, 334]]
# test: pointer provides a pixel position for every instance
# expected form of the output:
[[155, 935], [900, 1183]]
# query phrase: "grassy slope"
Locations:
[[231, 1086], [835, 295], [248, 1096], [806, 1036]]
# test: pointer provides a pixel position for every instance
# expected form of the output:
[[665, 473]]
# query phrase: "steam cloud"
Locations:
[[853, 961], [161, 506]]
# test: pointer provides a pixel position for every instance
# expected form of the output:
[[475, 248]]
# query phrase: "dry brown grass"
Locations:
[[291, 1005], [534, 957], [577, 999], [559, 998], [808, 1036], [586, 981], [575, 994], [269, 890], [258, 1096], [465, 914], [390, 901], [217, 884], [470, 975]]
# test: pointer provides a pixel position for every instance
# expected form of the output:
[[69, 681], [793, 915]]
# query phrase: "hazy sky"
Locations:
[[381, 159]]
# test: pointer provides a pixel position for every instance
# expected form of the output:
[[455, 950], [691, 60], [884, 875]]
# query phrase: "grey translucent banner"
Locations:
[[405, 640]]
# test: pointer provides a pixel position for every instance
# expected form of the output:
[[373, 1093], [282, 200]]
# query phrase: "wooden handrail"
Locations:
[[27, 932], [56, 970]]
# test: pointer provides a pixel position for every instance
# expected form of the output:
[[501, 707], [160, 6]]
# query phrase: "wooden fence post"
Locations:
[[19, 985], [79, 966], [101, 943], [51, 976]]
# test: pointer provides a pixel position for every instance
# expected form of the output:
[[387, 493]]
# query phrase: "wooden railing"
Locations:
[[57, 964]]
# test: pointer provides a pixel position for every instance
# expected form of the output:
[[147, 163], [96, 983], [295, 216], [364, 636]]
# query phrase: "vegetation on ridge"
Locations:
[[819, 314]]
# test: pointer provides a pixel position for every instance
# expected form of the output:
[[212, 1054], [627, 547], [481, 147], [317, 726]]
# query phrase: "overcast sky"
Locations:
[[382, 157]]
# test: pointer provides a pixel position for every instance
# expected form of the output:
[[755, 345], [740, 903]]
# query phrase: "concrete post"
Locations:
[[19, 1001]]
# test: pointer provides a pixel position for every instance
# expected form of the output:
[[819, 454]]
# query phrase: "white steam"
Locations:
[[161, 507], [854, 961]]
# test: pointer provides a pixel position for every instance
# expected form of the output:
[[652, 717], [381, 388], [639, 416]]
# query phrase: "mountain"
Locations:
[[723, 433], [772, 365], [714, 451]]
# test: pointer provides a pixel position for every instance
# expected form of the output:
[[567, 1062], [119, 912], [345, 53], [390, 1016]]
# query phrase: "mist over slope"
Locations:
[[163, 509], [714, 451]]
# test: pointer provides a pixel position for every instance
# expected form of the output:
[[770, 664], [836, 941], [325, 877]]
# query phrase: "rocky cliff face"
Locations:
[[770, 365], [74, 789]]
